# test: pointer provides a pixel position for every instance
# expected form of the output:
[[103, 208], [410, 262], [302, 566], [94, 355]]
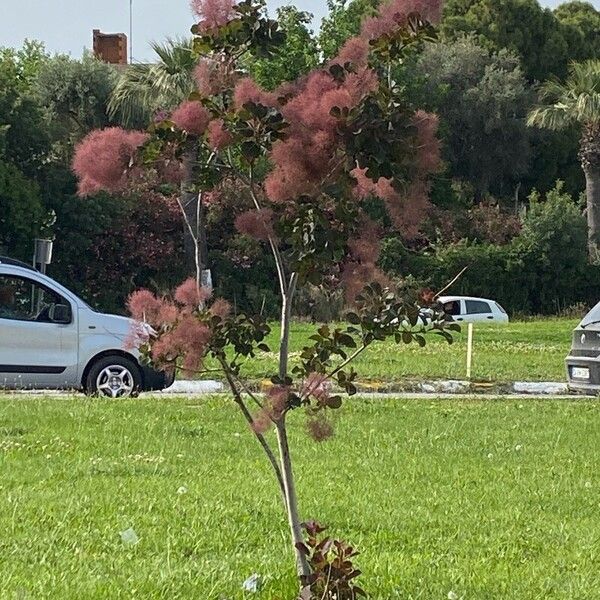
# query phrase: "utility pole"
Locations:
[[130, 32]]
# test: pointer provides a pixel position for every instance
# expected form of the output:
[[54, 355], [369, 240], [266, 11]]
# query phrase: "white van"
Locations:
[[51, 339]]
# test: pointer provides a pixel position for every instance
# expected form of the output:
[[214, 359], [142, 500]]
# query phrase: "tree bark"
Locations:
[[286, 320], [589, 154], [194, 228], [592, 192], [287, 472], [291, 501]]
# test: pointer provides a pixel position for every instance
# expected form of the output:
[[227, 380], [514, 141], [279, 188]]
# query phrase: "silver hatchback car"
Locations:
[[51, 339], [583, 361]]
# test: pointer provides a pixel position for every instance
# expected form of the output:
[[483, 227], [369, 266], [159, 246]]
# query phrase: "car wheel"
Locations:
[[113, 377]]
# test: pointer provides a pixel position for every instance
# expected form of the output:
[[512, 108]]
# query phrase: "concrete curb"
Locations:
[[409, 389], [451, 386]]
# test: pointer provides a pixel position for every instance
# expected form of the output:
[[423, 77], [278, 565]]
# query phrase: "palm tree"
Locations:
[[144, 89], [576, 102]]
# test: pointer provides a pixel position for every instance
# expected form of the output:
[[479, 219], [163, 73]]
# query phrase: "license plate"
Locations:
[[580, 373]]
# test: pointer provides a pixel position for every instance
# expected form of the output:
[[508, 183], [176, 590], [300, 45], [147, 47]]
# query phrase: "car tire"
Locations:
[[114, 377]]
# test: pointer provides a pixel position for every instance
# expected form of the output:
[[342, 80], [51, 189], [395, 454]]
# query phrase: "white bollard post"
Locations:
[[469, 349]]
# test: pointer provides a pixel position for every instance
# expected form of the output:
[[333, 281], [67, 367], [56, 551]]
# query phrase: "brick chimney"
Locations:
[[110, 47]]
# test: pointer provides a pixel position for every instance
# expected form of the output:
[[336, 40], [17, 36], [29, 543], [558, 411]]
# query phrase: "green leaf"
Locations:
[[250, 151], [324, 331], [353, 318], [334, 402], [347, 340]]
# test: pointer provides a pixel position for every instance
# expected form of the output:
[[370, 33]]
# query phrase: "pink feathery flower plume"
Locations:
[[190, 295], [247, 90], [217, 135], [214, 76], [256, 223], [103, 157], [428, 144], [319, 428], [395, 14], [316, 385], [213, 13], [273, 409], [192, 117], [188, 340]]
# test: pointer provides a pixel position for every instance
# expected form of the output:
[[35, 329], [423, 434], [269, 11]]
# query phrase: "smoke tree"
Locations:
[[308, 161]]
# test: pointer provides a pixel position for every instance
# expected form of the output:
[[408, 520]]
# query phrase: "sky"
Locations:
[[66, 26]]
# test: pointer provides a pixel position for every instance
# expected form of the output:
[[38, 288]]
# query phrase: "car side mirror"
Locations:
[[60, 313]]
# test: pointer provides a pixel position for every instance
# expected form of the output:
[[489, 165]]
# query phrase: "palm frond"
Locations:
[[552, 90], [555, 116], [577, 100], [588, 108], [131, 98], [175, 54], [143, 89]]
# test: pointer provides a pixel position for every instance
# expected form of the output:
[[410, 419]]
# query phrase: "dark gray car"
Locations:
[[583, 362]]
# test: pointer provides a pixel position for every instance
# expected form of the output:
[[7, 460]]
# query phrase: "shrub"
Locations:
[[21, 212], [543, 270], [92, 237], [319, 303]]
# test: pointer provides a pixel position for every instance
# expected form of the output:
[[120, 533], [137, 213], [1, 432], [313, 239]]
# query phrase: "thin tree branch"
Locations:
[[259, 436], [249, 181], [329, 376], [286, 315], [291, 500], [247, 391], [451, 283], [276, 254]]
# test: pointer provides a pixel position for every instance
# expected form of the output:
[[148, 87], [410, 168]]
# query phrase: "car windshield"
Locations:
[[592, 317]]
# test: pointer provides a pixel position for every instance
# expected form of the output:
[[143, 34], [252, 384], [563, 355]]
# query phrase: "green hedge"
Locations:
[[543, 270]]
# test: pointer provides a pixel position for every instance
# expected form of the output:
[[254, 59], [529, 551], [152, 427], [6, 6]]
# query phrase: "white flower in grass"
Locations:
[[253, 583], [182, 490], [490, 455], [518, 448], [129, 537], [452, 595], [588, 484]]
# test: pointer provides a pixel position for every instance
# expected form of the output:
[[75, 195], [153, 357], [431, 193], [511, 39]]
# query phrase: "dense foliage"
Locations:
[[481, 86], [543, 269]]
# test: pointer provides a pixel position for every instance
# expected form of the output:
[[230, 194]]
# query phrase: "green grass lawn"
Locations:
[[487, 499], [520, 351]]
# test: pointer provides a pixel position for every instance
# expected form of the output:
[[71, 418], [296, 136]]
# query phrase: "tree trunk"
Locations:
[[194, 228], [589, 155], [592, 192], [291, 501], [287, 472]]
